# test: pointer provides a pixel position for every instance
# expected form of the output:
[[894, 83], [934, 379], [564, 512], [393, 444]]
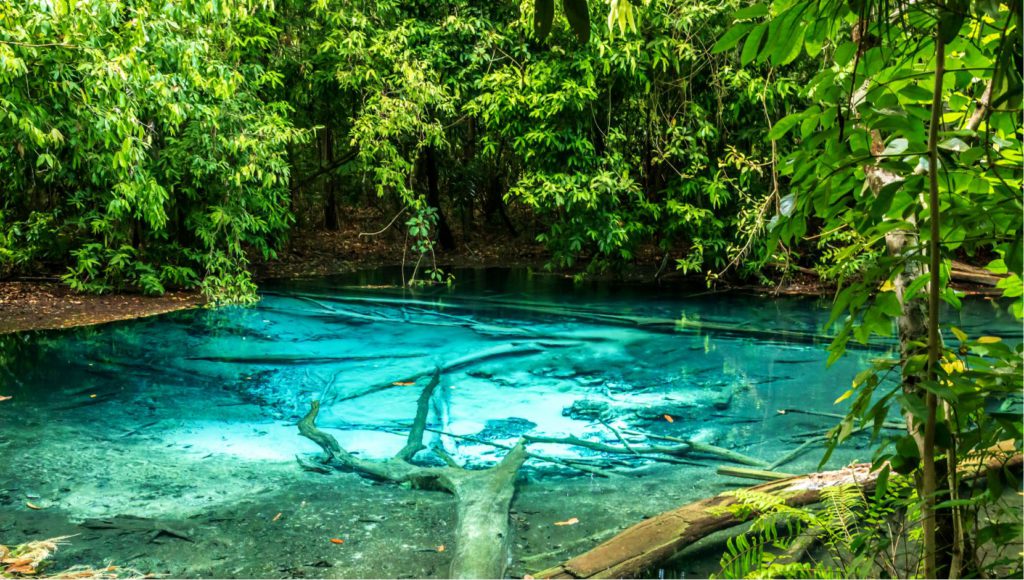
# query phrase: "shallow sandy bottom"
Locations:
[[212, 491]]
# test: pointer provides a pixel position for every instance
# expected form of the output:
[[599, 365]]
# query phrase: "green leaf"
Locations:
[[786, 37], [889, 304], [755, 11], [731, 37], [907, 446], [954, 144], [882, 483], [950, 22], [916, 92], [896, 146], [1015, 256], [784, 125], [844, 53], [753, 44], [960, 335]]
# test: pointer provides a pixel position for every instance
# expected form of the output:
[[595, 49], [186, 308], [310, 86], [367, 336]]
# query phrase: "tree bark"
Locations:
[[483, 500], [444, 231], [913, 323], [483, 497], [645, 545], [330, 201], [938, 560]]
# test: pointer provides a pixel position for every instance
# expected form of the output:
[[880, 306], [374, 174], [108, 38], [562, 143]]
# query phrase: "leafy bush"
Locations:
[[144, 147]]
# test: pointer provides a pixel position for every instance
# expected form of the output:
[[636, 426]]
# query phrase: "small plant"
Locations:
[[862, 536], [421, 225]]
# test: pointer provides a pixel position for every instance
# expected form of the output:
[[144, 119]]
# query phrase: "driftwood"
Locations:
[[684, 447], [513, 349], [482, 497], [570, 463], [961, 272], [814, 439], [453, 321], [305, 360], [796, 452], [643, 546], [648, 323], [708, 449], [759, 474], [886, 425]]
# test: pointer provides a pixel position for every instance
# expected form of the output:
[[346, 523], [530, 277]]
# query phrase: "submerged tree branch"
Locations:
[[482, 497]]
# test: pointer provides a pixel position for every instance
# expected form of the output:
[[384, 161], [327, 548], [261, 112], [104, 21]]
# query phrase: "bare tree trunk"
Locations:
[[444, 231], [483, 497], [915, 321], [483, 500]]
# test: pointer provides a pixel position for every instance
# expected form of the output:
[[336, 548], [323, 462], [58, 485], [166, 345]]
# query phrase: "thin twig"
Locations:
[[390, 223]]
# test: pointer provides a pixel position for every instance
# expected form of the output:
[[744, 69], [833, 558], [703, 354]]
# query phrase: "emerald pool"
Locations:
[[168, 444]]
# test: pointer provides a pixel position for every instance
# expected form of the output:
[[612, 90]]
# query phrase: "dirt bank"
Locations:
[[46, 305], [365, 242]]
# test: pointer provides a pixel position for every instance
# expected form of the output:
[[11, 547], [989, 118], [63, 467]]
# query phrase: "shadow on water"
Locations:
[[167, 444]]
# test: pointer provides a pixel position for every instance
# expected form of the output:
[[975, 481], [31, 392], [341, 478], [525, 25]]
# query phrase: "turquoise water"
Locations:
[[192, 412]]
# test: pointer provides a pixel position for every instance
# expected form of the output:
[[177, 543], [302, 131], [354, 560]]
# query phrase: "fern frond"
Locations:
[[743, 556], [797, 570], [842, 502]]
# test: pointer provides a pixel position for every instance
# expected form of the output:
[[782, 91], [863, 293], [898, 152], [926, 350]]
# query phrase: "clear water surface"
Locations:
[[189, 417]]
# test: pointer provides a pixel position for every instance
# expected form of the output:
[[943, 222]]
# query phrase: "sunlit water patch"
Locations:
[[190, 417]]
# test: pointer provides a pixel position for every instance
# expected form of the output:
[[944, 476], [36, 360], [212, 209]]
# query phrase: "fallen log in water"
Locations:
[[666, 453], [453, 321], [482, 497], [652, 541], [708, 449], [648, 323], [961, 272], [514, 349], [759, 474], [885, 425], [570, 463], [300, 359]]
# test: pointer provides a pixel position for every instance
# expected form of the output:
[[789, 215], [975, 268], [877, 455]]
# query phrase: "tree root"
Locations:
[[708, 449]]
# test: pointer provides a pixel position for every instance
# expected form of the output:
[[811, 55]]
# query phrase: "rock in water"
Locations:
[[510, 428], [587, 409]]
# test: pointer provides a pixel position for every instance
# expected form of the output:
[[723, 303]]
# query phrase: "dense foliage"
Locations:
[[911, 140], [140, 145], [160, 144]]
